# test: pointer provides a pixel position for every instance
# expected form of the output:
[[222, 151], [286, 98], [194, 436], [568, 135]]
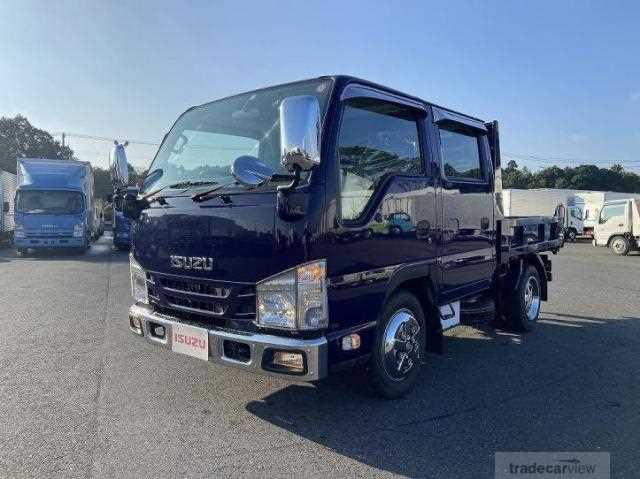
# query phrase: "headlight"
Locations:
[[294, 299], [18, 232], [138, 282], [78, 230]]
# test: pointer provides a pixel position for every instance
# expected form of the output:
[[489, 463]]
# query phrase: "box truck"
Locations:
[[618, 226], [592, 202], [54, 204], [543, 202], [7, 197]]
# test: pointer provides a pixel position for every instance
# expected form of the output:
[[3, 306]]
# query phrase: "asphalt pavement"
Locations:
[[80, 396]]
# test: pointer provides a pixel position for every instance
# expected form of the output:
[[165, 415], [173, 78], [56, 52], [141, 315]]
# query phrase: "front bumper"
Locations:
[[314, 350], [35, 243]]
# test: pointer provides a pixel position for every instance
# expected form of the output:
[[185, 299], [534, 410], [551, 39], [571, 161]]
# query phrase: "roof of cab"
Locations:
[[346, 79]]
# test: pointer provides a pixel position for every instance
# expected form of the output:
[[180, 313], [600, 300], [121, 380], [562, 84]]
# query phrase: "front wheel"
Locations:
[[399, 347], [619, 246], [525, 301], [572, 235]]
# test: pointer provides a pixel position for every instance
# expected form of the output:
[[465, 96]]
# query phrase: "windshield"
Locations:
[[206, 140], [50, 202]]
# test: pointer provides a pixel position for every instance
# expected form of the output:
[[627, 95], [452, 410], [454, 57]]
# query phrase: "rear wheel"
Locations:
[[619, 245], [397, 355], [572, 234], [525, 301]]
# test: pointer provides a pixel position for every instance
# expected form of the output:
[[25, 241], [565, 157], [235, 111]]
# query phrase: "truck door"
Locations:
[[385, 213], [612, 221], [467, 253]]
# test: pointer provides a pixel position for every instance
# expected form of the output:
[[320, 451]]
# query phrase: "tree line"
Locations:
[[20, 139], [583, 177]]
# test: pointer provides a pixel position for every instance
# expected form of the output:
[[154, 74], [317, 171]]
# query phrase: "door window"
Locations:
[[611, 211], [377, 138]]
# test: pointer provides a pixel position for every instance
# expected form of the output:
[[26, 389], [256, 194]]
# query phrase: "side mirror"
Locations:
[[119, 165], [300, 132], [250, 171]]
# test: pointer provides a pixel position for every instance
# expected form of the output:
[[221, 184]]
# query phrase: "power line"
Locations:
[[101, 138]]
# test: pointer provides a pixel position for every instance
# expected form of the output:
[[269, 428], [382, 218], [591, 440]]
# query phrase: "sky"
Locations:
[[562, 77]]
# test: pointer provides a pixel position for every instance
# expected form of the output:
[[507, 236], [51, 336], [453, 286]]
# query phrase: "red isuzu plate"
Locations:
[[191, 341]]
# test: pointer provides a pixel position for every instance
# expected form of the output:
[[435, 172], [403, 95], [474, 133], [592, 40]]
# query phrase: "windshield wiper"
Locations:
[[182, 184], [209, 194]]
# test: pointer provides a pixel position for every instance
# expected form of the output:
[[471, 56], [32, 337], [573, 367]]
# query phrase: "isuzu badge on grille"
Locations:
[[191, 262]]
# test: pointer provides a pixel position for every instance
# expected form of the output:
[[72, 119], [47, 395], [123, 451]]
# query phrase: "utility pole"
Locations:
[[63, 139]]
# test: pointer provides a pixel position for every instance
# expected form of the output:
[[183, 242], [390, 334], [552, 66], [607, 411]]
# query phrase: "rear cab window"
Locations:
[[460, 150]]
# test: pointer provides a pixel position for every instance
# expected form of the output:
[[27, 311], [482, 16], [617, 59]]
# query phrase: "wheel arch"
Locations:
[[537, 261], [418, 280], [517, 268], [614, 236]]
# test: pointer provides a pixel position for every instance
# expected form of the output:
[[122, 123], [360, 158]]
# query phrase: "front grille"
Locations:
[[196, 304], [218, 302], [49, 234], [195, 287]]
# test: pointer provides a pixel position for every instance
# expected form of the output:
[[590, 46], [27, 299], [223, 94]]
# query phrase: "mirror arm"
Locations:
[[286, 210], [294, 183]]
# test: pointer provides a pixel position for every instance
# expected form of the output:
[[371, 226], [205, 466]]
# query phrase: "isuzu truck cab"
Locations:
[[259, 237]]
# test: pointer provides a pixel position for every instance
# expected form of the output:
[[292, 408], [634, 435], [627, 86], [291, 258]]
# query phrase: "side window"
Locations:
[[377, 138], [611, 211], [460, 155]]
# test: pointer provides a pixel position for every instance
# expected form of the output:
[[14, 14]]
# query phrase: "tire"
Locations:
[[524, 302], [394, 369], [619, 245], [572, 235]]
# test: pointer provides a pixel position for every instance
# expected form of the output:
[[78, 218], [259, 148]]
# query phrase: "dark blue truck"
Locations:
[[257, 238], [121, 224]]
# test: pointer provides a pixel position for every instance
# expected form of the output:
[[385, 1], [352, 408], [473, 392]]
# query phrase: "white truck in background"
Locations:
[[618, 226], [592, 202], [544, 202], [7, 197]]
